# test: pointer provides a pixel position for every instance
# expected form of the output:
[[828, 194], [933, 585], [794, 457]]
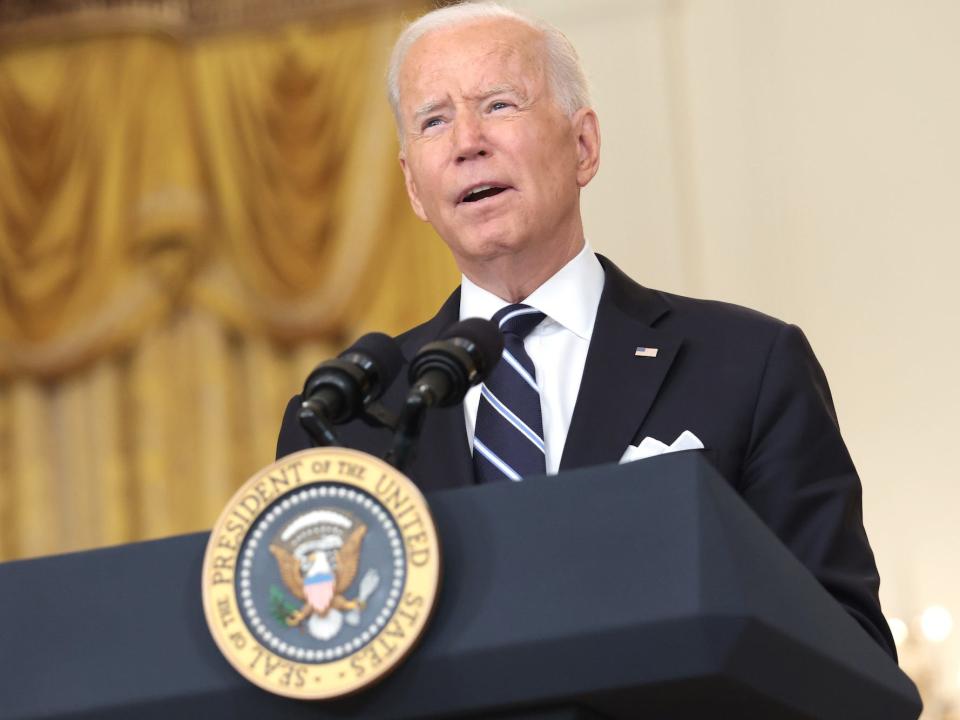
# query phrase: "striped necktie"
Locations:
[[508, 436]]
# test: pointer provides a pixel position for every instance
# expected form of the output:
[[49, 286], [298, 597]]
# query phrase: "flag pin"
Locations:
[[646, 352]]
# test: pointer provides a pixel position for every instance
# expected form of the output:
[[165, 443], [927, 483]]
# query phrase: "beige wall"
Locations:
[[802, 157]]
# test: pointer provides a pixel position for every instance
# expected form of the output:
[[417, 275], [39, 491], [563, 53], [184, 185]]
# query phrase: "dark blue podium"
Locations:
[[646, 590]]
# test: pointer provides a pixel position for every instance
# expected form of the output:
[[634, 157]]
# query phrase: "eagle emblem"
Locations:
[[318, 555]]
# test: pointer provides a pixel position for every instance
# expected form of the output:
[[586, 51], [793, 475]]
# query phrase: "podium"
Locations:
[[633, 591]]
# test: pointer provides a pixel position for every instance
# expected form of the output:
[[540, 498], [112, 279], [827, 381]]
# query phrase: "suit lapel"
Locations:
[[443, 456], [618, 388]]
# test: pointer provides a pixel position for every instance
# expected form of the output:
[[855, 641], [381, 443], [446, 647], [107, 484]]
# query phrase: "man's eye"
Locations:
[[499, 105], [431, 122]]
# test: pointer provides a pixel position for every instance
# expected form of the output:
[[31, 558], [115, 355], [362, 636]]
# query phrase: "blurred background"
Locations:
[[200, 200]]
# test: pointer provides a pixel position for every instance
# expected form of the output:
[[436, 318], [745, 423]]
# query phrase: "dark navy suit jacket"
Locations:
[[746, 384]]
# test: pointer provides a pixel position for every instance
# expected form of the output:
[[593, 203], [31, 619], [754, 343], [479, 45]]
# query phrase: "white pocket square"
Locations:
[[649, 447]]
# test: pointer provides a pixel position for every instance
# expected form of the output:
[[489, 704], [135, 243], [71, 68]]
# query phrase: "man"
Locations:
[[497, 139]]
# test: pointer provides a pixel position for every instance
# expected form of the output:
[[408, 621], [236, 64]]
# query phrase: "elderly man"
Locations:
[[497, 140]]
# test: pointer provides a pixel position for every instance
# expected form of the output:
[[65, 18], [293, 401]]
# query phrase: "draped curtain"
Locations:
[[186, 229]]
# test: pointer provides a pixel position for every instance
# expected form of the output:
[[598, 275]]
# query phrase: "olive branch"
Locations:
[[280, 606]]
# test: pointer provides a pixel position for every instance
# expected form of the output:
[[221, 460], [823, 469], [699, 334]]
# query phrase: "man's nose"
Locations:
[[469, 139]]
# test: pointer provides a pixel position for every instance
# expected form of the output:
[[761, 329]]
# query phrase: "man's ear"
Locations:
[[586, 125], [412, 189]]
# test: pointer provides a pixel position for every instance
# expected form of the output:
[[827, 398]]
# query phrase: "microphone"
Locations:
[[443, 371], [338, 390], [440, 375]]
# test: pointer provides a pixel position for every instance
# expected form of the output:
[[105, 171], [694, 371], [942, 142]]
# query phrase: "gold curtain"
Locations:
[[186, 229]]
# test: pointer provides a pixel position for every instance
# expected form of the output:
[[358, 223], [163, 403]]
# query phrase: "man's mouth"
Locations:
[[482, 192]]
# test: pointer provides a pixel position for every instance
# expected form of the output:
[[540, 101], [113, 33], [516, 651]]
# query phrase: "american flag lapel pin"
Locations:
[[646, 352]]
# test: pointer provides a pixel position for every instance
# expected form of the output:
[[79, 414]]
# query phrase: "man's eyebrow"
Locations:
[[433, 105], [428, 107], [495, 90]]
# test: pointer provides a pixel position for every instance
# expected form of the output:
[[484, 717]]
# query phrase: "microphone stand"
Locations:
[[314, 420], [428, 391], [408, 428]]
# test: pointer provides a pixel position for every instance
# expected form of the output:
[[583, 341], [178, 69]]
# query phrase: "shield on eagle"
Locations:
[[318, 587]]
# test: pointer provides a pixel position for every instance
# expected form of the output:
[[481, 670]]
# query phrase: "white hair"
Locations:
[[564, 72]]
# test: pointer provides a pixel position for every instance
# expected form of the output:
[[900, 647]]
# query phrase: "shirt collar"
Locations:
[[570, 297]]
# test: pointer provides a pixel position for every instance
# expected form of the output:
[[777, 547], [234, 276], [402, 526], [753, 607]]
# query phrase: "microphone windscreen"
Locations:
[[484, 338], [385, 354]]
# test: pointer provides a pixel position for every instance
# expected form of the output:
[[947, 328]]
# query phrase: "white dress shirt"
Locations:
[[557, 346]]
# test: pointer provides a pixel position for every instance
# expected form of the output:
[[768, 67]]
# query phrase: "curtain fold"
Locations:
[[186, 229]]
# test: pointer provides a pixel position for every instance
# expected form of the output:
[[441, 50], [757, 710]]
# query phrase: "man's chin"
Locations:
[[488, 251], [486, 244]]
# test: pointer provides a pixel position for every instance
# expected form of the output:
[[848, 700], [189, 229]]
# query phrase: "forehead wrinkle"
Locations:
[[482, 94]]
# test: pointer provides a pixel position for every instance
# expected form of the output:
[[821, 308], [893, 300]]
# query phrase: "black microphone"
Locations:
[[338, 390], [443, 371], [440, 375]]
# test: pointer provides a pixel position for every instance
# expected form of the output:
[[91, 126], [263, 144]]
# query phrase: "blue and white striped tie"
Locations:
[[508, 436]]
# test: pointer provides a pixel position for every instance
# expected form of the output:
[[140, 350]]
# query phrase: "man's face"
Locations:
[[489, 159]]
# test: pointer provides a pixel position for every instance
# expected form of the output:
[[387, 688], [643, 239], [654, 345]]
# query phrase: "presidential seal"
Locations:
[[321, 573]]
